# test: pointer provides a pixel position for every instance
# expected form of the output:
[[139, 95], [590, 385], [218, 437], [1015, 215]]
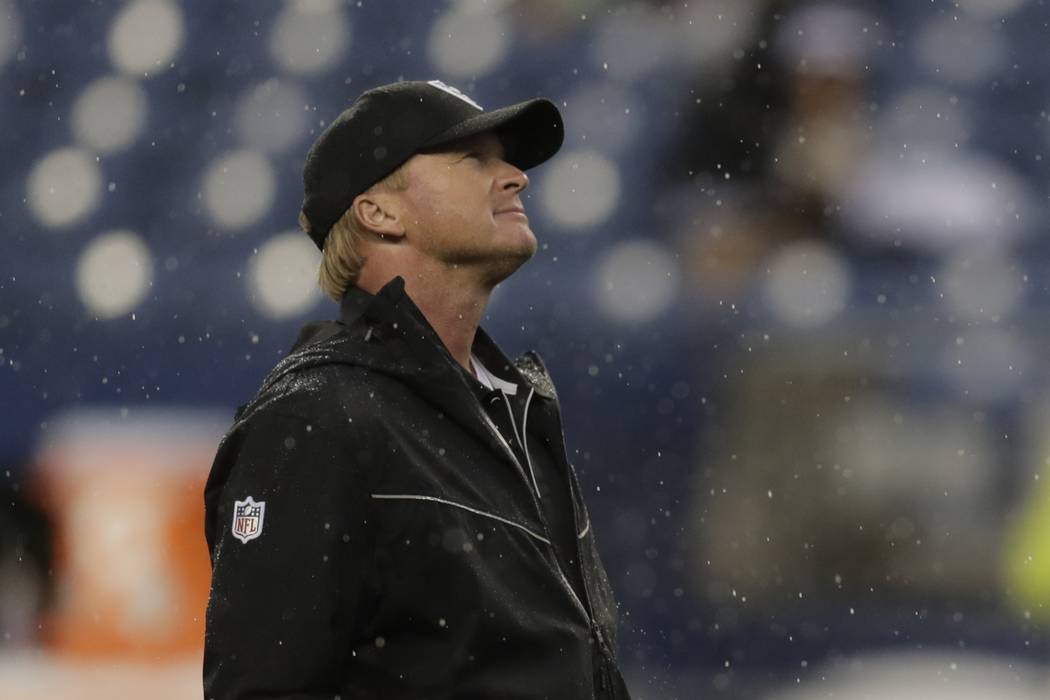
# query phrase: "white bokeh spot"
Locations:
[[64, 187], [937, 198], [283, 279], [309, 36], [466, 44], [580, 190], [110, 114], [608, 114], [145, 36], [807, 284], [238, 189], [271, 116], [636, 281], [114, 274]]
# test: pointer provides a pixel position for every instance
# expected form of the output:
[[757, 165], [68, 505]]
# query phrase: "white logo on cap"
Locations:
[[454, 92]]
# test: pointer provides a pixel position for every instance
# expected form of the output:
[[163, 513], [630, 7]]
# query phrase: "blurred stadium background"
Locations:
[[792, 278]]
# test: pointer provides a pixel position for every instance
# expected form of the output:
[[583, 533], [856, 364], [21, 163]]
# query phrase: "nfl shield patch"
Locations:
[[248, 518]]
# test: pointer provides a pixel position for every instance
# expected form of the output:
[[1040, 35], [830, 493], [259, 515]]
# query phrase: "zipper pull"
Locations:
[[598, 635]]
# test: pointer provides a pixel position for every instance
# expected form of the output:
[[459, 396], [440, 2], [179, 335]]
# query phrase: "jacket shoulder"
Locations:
[[328, 394], [310, 366]]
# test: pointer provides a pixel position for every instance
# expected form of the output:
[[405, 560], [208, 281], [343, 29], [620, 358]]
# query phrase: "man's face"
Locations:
[[462, 206]]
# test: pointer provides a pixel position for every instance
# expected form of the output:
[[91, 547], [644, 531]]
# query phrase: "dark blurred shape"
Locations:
[[25, 562]]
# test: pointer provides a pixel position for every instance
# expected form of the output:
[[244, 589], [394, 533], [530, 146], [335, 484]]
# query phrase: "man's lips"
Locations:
[[512, 210]]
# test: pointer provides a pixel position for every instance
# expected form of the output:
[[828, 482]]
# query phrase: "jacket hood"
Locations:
[[388, 334]]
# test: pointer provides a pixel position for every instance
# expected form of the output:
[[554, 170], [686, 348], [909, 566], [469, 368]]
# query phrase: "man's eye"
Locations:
[[475, 156]]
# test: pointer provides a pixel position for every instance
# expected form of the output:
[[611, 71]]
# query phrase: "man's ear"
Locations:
[[378, 213]]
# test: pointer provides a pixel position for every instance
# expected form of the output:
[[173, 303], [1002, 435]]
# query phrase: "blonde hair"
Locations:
[[341, 258]]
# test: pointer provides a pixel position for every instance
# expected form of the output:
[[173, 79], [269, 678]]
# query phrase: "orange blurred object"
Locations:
[[125, 494]]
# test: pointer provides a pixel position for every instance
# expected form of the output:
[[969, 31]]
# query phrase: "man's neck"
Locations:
[[452, 303], [453, 311]]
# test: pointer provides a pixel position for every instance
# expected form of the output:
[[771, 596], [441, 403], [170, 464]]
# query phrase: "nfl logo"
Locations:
[[248, 518]]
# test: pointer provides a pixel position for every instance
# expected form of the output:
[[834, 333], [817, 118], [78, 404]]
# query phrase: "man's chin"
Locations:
[[502, 267], [496, 263]]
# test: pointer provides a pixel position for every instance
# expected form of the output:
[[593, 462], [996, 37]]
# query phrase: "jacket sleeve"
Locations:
[[284, 605]]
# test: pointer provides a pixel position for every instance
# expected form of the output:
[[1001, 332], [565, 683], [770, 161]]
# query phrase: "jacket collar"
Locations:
[[391, 313], [386, 333], [356, 301]]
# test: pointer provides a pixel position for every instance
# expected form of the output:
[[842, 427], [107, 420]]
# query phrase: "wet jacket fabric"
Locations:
[[394, 545], [509, 409]]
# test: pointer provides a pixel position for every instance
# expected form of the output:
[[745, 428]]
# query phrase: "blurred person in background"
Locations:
[[394, 514]]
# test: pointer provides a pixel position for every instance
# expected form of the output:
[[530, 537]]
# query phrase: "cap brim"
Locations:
[[531, 131]]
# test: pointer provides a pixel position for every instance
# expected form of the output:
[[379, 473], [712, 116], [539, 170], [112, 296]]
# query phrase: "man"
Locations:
[[394, 515]]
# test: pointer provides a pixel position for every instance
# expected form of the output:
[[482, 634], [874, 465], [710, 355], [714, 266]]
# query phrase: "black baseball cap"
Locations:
[[387, 125]]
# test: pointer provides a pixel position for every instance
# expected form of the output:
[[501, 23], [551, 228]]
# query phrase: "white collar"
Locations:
[[491, 381]]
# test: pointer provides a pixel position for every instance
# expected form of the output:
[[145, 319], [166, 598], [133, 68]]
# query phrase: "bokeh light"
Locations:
[[464, 43], [109, 114], [283, 279], [272, 115], [64, 187], [807, 285], [636, 281], [114, 274], [238, 189], [935, 198], [607, 116], [580, 189], [145, 36], [310, 36]]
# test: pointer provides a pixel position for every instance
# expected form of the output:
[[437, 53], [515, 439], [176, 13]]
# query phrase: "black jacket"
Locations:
[[401, 551]]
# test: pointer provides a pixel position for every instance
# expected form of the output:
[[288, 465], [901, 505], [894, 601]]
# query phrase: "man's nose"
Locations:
[[514, 179]]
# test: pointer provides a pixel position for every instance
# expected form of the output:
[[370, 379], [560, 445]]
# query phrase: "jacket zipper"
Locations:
[[521, 436], [603, 645], [543, 521], [523, 439], [588, 609]]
